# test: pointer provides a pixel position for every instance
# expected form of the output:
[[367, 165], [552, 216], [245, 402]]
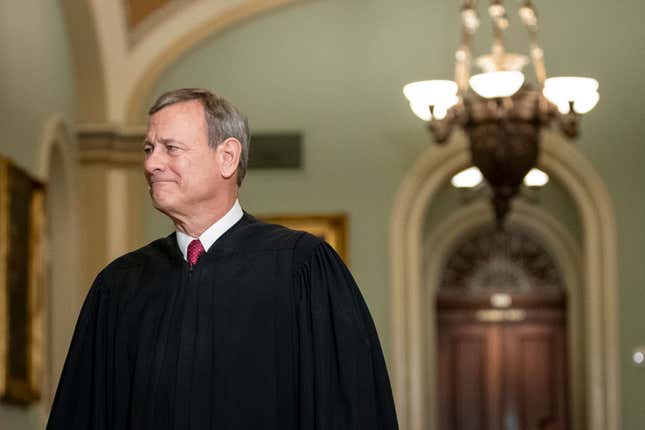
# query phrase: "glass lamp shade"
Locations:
[[468, 178], [422, 109], [441, 94], [536, 178], [472, 177], [563, 90], [497, 84]]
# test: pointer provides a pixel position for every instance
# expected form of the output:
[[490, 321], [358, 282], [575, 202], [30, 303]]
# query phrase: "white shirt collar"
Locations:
[[213, 232]]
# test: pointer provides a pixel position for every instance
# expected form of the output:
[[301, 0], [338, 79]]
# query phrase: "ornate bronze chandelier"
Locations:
[[501, 114]]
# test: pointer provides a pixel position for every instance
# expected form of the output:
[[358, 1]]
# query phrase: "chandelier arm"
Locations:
[[441, 129], [462, 63], [463, 56], [568, 123], [528, 15], [498, 17]]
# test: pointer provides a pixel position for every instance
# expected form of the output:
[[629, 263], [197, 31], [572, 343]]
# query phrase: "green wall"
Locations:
[[334, 71], [36, 81], [36, 78]]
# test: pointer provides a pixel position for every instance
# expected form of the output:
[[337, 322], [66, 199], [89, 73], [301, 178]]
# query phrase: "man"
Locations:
[[228, 323]]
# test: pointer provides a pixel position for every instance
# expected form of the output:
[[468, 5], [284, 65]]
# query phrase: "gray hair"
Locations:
[[222, 118]]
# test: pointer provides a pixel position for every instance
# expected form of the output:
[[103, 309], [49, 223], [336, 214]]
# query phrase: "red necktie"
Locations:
[[195, 250]]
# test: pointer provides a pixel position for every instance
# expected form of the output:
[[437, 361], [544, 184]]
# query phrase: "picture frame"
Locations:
[[21, 239], [332, 228]]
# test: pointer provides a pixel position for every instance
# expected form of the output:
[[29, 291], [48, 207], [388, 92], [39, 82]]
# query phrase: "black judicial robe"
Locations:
[[267, 331]]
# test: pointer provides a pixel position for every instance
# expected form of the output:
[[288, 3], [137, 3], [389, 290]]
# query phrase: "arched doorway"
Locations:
[[501, 334], [62, 295], [412, 360]]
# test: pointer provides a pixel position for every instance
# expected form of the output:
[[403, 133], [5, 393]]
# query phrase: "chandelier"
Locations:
[[500, 112]]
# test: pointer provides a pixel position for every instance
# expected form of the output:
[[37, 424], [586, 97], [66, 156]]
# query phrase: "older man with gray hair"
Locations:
[[228, 322]]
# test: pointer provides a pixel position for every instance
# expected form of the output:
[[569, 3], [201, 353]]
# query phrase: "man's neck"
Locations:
[[197, 224]]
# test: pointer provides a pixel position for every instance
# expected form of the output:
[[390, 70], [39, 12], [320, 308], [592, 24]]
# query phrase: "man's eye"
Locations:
[[172, 148], [147, 150]]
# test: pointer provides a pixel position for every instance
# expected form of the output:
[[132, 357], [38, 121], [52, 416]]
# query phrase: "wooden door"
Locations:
[[535, 388], [502, 375], [469, 371], [501, 320]]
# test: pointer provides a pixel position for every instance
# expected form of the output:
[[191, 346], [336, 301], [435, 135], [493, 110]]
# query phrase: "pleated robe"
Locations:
[[267, 331]]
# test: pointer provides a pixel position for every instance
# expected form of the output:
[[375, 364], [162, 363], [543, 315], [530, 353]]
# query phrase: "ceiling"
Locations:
[[121, 47]]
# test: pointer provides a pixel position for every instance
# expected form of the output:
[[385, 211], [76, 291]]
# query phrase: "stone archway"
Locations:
[[598, 273], [564, 249]]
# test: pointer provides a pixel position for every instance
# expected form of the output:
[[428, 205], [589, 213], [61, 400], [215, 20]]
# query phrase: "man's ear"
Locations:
[[228, 156]]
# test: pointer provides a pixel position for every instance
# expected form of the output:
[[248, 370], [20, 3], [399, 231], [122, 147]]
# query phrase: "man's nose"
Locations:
[[154, 161]]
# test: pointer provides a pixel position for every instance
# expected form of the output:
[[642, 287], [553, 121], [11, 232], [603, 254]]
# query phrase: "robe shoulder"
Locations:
[[249, 235], [255, 235], [154, 250], [259, 236]]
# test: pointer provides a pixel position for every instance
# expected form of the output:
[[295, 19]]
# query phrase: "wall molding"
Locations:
[[107, 143]]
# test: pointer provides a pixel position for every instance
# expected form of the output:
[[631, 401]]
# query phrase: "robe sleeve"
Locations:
[[82, 400], [343, 381]]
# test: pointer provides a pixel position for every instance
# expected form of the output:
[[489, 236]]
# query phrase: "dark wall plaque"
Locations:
[[276, 151]]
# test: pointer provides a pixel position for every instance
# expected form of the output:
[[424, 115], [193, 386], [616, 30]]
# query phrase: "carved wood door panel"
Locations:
[[535, 376], [469, 375], [501, 319], [502, 375]]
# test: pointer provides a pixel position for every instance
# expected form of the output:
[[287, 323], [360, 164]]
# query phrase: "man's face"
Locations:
[[181, 169]]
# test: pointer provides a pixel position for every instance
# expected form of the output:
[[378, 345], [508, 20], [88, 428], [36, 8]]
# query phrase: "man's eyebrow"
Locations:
[[169, 140], [147, 141]]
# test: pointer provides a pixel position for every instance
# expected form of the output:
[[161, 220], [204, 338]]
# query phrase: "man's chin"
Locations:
[[162, 204]]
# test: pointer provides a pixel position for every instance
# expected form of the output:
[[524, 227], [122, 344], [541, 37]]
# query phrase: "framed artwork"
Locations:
[[332, 228], [21, 238]]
